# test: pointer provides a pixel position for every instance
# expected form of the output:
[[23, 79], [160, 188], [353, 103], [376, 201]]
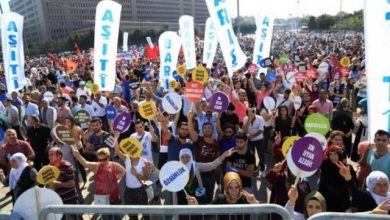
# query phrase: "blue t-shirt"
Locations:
[[227, 144], [174, 147], [382, 164]]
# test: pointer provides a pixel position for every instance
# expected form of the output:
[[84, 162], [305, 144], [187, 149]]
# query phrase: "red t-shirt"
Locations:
[[20, 147]]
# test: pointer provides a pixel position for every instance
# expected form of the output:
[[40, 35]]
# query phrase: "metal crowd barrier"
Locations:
[[166, 210], [5, 216], [347, 216]]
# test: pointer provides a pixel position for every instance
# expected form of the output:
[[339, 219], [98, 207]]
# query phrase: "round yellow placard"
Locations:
[[200, 74], [147, 109], [173, 84], [288, 143], [345, 61], [181, 70], [94, 88], [131, 146], [48, 174]]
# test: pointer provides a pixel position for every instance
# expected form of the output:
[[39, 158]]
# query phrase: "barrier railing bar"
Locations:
[[347, 216], [166, 210]]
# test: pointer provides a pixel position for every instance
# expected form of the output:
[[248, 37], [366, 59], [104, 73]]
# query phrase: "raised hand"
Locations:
[[192, 200], [292, 195], [382, 208], [278, 138], [250, 198], [228, 153], [344, 171], [277, 167]]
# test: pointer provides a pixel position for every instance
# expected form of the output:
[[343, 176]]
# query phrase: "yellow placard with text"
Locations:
[[345, 61], [181, 70], [47, 175], [200, 74], [147, 109], [131, 147], [288, 143], [94, 88]]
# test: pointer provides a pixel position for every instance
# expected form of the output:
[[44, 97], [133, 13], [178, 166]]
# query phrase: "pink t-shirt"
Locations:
[[241, 107], [325, 108], [260, 97]]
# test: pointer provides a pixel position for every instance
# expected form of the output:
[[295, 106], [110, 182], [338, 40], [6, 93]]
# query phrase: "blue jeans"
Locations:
[[259, 146]]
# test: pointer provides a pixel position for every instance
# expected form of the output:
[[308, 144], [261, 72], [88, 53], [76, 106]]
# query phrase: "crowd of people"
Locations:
[[226, 153]]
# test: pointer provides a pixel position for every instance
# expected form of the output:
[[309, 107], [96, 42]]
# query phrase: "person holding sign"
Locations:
[[314, 204], [145, 138], [96, 140], [65, 183], [21, 177], [136, 173], [107, 175]]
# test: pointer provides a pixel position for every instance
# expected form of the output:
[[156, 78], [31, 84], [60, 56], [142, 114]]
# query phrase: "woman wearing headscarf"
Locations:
[[331, 184], [314, 204], [234, 194], [21, 177], [342, 120], [375, 200]]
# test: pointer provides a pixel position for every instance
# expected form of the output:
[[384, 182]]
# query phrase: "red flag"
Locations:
[[78, 52], [71, 66], [151, 53], [55, 60]]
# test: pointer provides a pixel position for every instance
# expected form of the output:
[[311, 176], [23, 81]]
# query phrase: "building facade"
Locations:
[[46, 20]]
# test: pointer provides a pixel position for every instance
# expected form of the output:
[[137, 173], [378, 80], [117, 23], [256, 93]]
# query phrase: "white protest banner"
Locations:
[[187, 35], [169, 45], [4, 4], [174, 176], [232, 53], [108, 14], [13, 50], [210, 43], [261, 50], [150, 43], [125, 41], [377, 35]]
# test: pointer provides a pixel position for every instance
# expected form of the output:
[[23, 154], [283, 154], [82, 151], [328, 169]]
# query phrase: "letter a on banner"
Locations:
[[377, 35], [187, 35], [169, 45], [262, 46], [231, 50], [13, 51], [108, 14], [210, 43]]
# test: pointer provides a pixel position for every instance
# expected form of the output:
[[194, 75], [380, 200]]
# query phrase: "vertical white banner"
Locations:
[[13, 51], [377, 45], [4, 4], [125, 41], [187, 35], [231, 50], [263, 39], [108, 14], [210, 43], [169, 45]]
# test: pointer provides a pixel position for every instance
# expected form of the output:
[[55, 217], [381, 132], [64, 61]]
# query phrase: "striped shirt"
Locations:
[[66, 174]]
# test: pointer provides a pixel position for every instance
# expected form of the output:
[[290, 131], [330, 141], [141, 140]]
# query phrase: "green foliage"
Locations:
[[342, 21]]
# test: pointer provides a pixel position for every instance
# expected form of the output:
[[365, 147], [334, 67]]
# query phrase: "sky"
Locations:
[[287, 8]]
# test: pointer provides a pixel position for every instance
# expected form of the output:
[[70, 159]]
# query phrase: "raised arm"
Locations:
[[193, 135], [90, 165], [118, 151]]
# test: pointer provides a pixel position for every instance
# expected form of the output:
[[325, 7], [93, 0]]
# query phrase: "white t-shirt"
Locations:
[[266, 123], [131, 180], [99, 111], [80, 92], [146, 142], [257, 125]]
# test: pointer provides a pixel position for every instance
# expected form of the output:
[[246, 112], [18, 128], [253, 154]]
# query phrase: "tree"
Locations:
[[312, 24], [324, 22]]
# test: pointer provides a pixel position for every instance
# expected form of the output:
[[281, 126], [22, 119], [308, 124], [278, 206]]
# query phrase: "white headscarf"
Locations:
[[14, 174], [372, 180], [191, 163]]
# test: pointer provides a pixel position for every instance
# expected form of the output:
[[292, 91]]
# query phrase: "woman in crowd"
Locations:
[[234, 194], [376, 199], [21, 177], [283, 122], [107, 175], [342, 120], [336, 138], [331, 184], [314, 203]]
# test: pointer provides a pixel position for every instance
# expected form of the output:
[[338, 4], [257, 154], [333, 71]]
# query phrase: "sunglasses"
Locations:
[[104, 159]]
